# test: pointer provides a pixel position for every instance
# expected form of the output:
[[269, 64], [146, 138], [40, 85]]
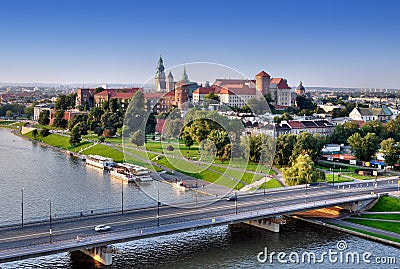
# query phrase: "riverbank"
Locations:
[[380, 223]]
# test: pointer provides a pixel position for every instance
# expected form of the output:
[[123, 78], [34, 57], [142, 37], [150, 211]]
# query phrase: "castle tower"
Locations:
[[181, 97], [263, 81], [160, 77], [170, 82], [300, 90], [185, 77]]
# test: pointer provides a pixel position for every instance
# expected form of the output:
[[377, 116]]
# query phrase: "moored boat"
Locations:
[[99, 161]]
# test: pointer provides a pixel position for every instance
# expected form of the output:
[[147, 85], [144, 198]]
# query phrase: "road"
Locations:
[[143, 218]]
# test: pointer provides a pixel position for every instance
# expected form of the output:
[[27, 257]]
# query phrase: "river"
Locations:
[[49, 175]]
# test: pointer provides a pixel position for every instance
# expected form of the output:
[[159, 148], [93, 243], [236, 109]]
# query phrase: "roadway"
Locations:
[[177, 218]]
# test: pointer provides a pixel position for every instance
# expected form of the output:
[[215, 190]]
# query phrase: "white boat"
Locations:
[[122, 174], [99, 161], [138, 172], [179, 185]]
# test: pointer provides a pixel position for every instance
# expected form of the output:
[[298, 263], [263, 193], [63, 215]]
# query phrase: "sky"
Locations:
[[332, 43]]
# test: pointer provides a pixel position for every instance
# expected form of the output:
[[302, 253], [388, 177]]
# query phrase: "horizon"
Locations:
[[338, 44]]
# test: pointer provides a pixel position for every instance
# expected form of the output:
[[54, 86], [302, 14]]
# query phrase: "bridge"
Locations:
[[61, 235]]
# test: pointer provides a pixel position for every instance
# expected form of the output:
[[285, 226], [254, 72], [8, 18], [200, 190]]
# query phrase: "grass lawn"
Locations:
[[105, 151], [142, 154], [238, 175], [380, 216], [329, 178], [383, 225], [338, 167], [59, 141], [368, 233], [386, 204], [272, 183]]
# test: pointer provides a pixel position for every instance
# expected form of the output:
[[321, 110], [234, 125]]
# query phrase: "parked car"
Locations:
[[102, 228]]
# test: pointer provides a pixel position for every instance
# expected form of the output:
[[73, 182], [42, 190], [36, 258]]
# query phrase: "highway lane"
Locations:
[[14, 237]]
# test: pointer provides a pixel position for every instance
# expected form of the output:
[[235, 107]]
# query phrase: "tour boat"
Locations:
[[99, 161], [122, 173]]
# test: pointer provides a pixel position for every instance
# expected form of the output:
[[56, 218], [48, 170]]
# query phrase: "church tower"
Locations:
[[170, 82], [263, 81], [160, 77], [185, 77]]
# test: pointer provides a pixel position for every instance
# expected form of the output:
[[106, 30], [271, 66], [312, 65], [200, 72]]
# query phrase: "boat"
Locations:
[[122, 173], [99, 161], [179, 186], [137, 172]]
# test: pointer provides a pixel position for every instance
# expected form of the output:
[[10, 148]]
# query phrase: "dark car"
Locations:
[[231, 198]]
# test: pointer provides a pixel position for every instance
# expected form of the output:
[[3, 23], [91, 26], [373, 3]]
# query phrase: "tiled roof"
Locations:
[[280, 82], [309, 124], [153, 95], [295, 124], [263, 74], [204, 90]]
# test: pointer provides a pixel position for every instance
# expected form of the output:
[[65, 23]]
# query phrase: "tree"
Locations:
[[284, 147], [59, 120], [187, 139], [391, 151], [307, 143], [75, 136], [220, 139], [44, 117], [9, 113], [151, 124], [304, 103], [303, 171], [172, 128], [363, 147], [28, 111], [35, 133], [138, 138], [212, 96], [44, 132], [258, 106]]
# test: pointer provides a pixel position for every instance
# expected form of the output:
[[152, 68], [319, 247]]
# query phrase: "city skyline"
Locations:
[[322, 43]]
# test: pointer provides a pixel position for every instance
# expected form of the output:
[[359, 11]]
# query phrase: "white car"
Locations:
[[101, 228]]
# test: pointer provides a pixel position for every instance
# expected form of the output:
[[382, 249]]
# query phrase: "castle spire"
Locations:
[[160, 68], [184, 75]]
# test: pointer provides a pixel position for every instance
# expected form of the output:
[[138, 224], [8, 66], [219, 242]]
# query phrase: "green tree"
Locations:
[[391, 151], [363, 147], [187, 139], [220, 139], [307, 143], [75, 135], [35, 133], [138, 138], [44, 132], [258, 106], [44, 117], [303, 171], [59, 120], [28, 111], [151, 124], [284, 147], [9, 113]]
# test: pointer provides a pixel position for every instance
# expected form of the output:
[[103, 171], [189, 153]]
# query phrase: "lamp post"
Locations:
[[122, 196], [236, 205], [22, 207], [51, 220], [333, 180], [158, 207]]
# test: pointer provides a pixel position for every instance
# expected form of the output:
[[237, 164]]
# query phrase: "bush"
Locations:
[[102, 138], [44, 132], [170, 148]]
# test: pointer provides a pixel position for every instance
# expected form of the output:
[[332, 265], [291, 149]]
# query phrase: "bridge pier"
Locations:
[[270, 224], [102, 254]]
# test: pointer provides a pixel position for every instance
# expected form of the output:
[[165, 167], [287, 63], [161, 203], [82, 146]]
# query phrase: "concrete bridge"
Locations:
[[262, 210]]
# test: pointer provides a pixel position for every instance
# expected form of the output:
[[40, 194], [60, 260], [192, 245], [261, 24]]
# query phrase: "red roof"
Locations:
[[118, 93], [204, 90], [262, 74], [153, 95], [295, 124], [280, 82]]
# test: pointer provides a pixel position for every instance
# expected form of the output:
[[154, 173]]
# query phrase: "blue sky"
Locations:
[[338, 43]]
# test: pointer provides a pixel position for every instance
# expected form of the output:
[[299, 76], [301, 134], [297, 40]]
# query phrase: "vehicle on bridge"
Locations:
[[102, 228]]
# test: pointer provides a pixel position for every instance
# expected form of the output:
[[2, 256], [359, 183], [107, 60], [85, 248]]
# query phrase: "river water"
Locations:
[[46, 174]]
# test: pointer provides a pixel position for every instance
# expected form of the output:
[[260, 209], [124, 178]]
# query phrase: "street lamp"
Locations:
[[158, 207], [333, 180], [236, 205], [51, 224], [122, 196], [22, 207]]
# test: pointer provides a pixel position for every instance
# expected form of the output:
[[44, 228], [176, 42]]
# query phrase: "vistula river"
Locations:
[[46, 174]]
